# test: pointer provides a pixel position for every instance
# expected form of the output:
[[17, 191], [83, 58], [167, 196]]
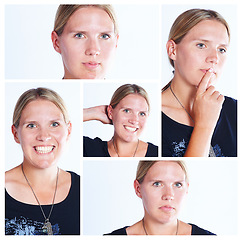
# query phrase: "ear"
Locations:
[[110, 112], [171, 48], [55, 41], [69, 129], [15, 134], [117, 38], [137, 188]]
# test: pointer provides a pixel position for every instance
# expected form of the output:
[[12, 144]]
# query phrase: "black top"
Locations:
[[195, 231], [27, 219], [176, 136], [98, 148]]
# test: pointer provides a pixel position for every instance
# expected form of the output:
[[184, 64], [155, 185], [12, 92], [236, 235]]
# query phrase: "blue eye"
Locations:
[[143, 114], [105, 36], [201, 45], [157, 184], [55, 124], [79, 35], [222, 50], [31, 125], [126, 110], [178, 185]]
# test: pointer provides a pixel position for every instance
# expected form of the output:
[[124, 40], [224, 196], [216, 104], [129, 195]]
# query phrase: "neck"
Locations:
[[186, 93], [124, 149], [152, 228], [40, 177]]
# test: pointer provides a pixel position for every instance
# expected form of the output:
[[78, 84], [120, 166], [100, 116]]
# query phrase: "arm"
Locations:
[[206, 111], [98, 113]]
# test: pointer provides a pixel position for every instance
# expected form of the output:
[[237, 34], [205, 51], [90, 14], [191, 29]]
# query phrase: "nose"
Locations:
[[43, 135], [168, 194], [133, 119], [213, 57], [93, 47]]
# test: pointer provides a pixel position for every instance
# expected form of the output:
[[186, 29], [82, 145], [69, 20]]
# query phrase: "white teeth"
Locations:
[[131, 129], [44, 149]]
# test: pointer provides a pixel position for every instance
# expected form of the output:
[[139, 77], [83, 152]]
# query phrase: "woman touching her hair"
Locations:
[[41, 198], [162, 186], [197, 121], [128, 112], [86, 36]]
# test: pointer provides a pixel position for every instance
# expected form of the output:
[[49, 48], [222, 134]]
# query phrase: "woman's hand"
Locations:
[[208, 103], [206, 110], [98, 113]]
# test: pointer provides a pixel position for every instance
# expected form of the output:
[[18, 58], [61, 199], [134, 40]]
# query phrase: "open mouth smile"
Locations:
[[131, 129], [44, 149]]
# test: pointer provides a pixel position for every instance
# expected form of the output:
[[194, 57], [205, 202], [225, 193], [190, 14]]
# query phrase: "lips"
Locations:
[[131, 129], [91, 65], [167, 208], [44, 149], [206, 70]]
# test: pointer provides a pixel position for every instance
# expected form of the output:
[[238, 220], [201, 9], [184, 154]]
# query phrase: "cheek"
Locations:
[[108, 50]]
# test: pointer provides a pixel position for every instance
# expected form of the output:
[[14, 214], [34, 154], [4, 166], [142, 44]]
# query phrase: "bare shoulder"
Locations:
[[12, 175]]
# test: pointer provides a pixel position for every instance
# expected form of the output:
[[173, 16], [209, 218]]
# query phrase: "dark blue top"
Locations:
[[195, 231], [98, 148], [27, 219], [176, 136]]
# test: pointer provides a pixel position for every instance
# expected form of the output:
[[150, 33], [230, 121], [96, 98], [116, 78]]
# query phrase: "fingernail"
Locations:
[[210, 70]]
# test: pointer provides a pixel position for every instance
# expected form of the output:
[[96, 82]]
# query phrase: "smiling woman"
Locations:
[[42, 127], [128, 112], [86, 36]]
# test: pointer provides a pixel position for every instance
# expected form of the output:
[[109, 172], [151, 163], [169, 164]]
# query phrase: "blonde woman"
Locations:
[[198, 121], [127, 112], [41, 198], [86, 36], [162, 186]]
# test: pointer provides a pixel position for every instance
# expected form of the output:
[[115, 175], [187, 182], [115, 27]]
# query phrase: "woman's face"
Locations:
[[129, 117], [162, 191], [87, 44], [203, 47], [42, 133]]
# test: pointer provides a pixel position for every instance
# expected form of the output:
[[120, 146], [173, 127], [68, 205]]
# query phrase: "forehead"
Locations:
[[40, 107], [211, 30], [90, 17], [133, 100], [165, 171]]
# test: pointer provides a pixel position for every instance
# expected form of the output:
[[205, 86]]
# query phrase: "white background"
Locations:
[[97, 93], [110, 202], [29, 50]]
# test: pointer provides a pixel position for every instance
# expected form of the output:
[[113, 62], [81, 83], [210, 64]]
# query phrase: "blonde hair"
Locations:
[[65, 11], [144, 166], [127, 89], [35, 94]]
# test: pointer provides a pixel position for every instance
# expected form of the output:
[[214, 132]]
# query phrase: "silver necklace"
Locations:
[[143, 223], [211, 151], [47, 228], [117, 150]]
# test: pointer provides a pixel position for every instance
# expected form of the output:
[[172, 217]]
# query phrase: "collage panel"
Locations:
[[95, 42], [199, 81], [160, 197], [121, 119], [42, 158]]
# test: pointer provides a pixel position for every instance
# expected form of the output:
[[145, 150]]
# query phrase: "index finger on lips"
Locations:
[[203, 85]]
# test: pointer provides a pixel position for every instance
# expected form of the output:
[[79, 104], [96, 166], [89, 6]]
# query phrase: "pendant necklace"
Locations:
[[211, 151], [47, 228], [177, 227], [117, 150]]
